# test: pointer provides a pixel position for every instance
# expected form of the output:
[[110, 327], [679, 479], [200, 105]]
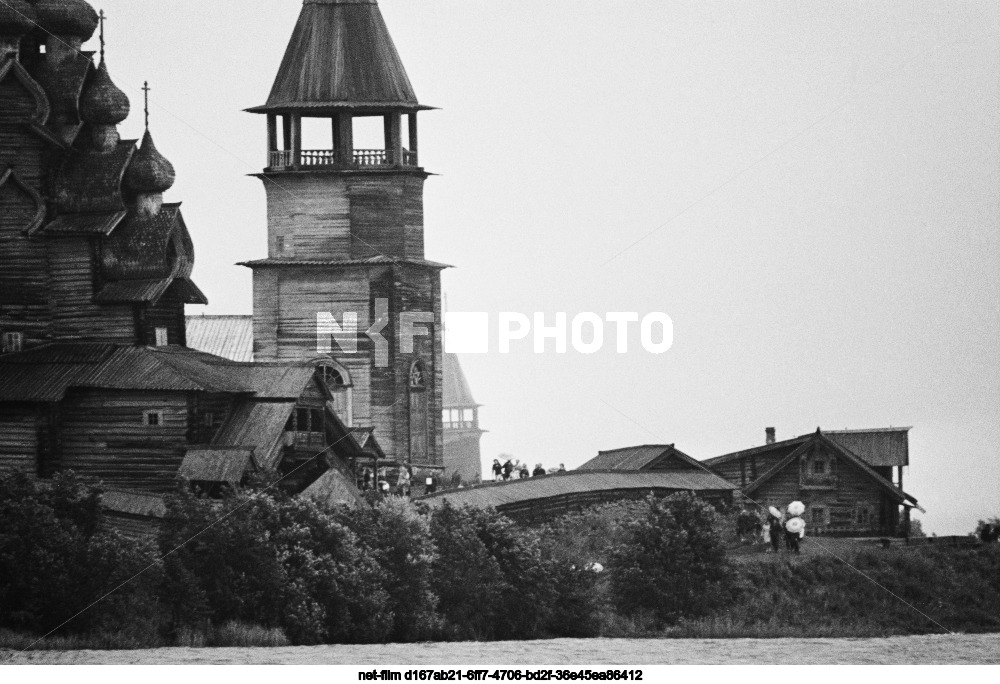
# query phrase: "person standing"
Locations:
[[775, 528], [538, 471], [794, 530], [497, 470], [508, 468]]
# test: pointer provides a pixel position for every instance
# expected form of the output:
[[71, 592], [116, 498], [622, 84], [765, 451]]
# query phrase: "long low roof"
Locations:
[[47, 372], [576, 482]]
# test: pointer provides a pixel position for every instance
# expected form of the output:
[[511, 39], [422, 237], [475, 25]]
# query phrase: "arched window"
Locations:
[[338, 381], [418, 379]]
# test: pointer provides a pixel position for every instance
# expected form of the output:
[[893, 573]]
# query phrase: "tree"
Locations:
[[672, 562]]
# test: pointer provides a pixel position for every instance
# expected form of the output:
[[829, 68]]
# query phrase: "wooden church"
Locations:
[[96, 375]]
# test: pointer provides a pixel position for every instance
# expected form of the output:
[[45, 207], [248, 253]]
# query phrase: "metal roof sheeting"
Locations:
[[230, 337], [215, 465], [576, 482]]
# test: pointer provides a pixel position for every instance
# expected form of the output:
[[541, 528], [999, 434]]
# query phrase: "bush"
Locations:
[[399, 539], [57, 562], [272, 561], [672, 562]]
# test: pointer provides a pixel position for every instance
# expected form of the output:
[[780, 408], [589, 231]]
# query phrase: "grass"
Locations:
[[229, 635]]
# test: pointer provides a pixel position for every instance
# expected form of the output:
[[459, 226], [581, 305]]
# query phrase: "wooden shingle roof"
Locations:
[[340, 56], [456, 392]]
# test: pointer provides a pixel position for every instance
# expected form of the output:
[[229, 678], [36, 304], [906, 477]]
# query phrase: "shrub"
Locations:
[[272, 561], [56, 562], [672, 561], [399, 539]]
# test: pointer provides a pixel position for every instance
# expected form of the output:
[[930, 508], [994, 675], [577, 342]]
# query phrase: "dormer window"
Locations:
[[13, 342]]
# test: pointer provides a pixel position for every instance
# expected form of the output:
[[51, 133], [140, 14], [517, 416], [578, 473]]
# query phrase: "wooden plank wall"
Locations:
[[72, 264], [103, 437], [167, 313], [854, 491], [19, 431], [312, 213]]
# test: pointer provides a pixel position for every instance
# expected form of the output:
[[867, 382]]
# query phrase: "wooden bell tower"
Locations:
[[345, 229]]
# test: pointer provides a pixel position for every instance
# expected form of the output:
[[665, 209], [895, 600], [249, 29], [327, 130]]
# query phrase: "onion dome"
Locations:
[[149, 172], [101, 102], [67, 17], [17, 17]]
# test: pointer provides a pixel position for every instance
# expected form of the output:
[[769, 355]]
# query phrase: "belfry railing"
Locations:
[[364, 158]]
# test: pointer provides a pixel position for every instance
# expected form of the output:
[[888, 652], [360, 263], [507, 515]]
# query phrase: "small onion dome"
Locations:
[[17, 17], [149, 172], [102, 103], [67, 17]]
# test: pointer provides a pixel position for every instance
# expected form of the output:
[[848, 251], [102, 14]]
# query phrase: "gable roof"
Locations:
[[638, 458], [876, 446], [819, 438], [340, 55], [785, 445]]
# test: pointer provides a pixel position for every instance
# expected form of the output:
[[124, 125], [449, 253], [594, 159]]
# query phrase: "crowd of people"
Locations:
[[774, 528], [514, 469]]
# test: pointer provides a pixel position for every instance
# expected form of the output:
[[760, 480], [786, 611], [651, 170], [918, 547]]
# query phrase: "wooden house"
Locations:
[[845, 479]]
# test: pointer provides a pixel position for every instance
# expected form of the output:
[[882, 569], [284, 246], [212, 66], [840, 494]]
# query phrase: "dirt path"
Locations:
[[980, 648]]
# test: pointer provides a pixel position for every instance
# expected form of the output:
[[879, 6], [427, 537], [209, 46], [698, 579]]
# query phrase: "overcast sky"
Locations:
[[811, 190]]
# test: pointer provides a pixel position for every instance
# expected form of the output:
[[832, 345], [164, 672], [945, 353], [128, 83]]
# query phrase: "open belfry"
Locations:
[[100, 373], [346, 230]]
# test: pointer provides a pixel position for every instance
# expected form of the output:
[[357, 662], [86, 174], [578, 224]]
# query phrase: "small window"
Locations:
[[819, 467], [819, 516], [13, 342], [468, 415], [208, 419], [161, 337], [152, 418], [41, 49], [279, 244], [302, 420]]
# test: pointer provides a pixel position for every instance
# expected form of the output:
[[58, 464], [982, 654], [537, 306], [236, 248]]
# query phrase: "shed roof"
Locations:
[[230, 337], [102, 223], [134, 503], [575, 482], [340, 55], [91, 181], [216, 464]]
